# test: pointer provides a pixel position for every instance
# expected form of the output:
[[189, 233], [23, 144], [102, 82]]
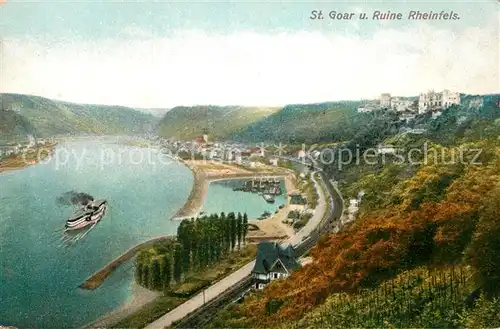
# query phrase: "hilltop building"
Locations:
[[274, 261], [385, 101], [401, 105], [433, 101]]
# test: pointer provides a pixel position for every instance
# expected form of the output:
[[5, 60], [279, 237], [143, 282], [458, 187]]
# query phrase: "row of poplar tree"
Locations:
[[199, 243]]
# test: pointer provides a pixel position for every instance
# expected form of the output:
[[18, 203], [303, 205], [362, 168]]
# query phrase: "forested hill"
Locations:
[[305, 123], [219, 121], [25, 114]]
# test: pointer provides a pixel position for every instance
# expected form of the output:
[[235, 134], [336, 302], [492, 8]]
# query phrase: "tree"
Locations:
[[145, 276], [239, 229], [177, 263], [226, 238], [166, 271], [185, 236], [154, 278], [138, 271], [232, 229], [245, 226], [483, 251]]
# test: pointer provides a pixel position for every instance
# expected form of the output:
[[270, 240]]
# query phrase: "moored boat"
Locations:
[[269, 198]]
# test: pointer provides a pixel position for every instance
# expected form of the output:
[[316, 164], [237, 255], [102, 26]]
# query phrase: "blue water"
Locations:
[[38, 278], [221, 197]]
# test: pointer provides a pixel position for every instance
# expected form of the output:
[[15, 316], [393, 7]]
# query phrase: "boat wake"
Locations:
[[70, 237]]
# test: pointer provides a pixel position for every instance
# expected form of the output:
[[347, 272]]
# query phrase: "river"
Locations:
[[39, 278]]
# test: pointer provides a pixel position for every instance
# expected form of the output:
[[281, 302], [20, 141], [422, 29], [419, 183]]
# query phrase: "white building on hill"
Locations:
[[432, 101], [385, 101], [386, 149], [401, 105]]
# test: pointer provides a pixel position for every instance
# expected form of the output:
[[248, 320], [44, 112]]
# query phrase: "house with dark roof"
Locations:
[[274, 261]]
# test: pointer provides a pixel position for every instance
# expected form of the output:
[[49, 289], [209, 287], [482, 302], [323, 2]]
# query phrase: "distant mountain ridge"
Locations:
[[184, 122], [291, 123], [26, 114], [298, 123]]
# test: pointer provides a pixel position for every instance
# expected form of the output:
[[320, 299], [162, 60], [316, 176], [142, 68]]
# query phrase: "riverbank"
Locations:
[[206, 171], [28, 158], [140, 297]]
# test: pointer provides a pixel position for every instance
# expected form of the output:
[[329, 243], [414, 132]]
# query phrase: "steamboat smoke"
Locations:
[[75, 198]]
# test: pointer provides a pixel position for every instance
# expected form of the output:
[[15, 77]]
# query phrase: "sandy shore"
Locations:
[[205, 172], [197, 196], [140, 297]]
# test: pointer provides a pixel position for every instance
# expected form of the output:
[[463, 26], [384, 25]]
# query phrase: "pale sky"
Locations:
[[163, 54]]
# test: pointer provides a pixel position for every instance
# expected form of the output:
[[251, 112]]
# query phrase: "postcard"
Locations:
[[249, 164]]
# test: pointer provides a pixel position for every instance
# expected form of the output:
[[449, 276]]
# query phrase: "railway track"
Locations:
[[203, 315]]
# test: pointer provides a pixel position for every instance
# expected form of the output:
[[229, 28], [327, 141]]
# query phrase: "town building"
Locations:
[[31, 141], [257, 151], [200, 140], [386, 149], [432, 101], [274, 261], [274, 161], [414, 131]]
